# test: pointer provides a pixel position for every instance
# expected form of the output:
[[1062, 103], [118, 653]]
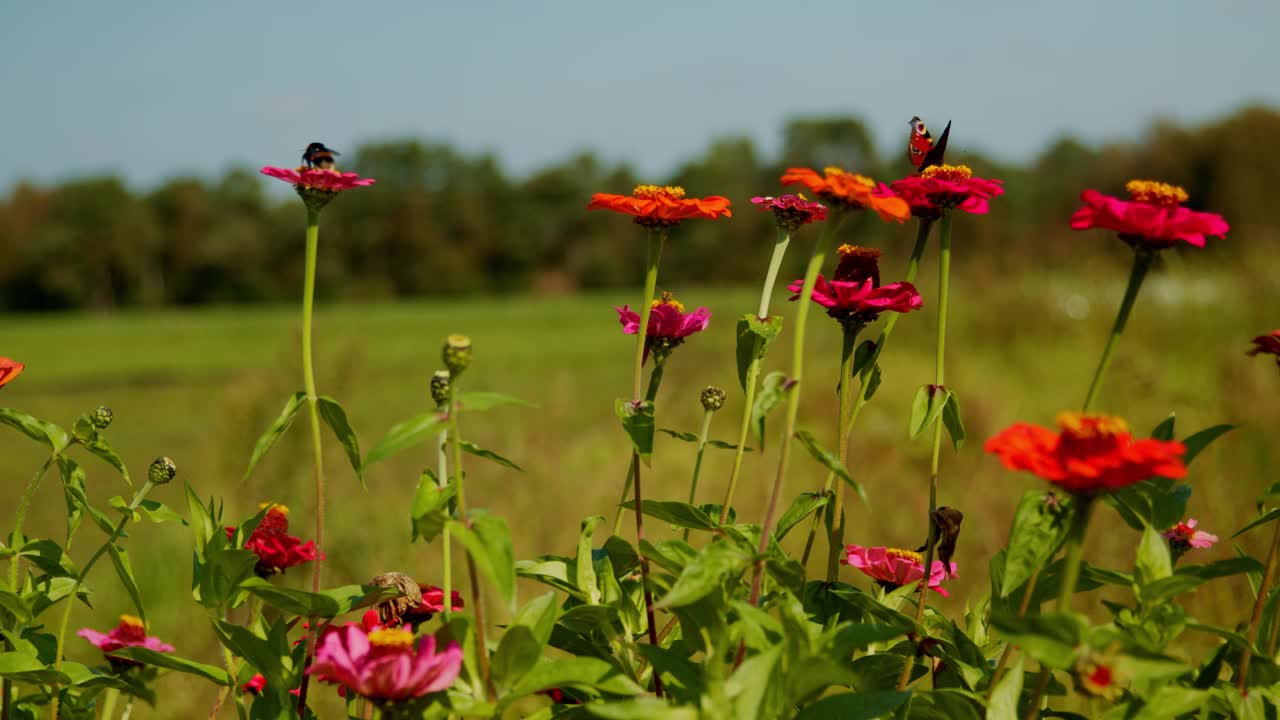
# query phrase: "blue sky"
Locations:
[[157, 89]]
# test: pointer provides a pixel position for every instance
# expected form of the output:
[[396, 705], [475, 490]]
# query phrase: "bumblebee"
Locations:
[[318, 156]]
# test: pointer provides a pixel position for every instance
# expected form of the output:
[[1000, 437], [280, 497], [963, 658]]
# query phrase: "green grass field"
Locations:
[[200, 386]]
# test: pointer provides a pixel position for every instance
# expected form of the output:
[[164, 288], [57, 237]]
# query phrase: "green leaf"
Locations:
[[685, 436], [1165, 430], [27, 668], [830, 461], [336, 418], [481, 401], [772, 391], [522, 643], [478, 451], [637, 420], [100, 448], [50, 558], [1038, 531], [645, 708], [258, 651], [1153, 561], [855, 706], [406, 434], [326, 603], [158, 512], [221, 574], [754, 337], [755, 686], [277, 428], [52, 436], [120, 559], [579, 672], [1266, 518], [585, 566], [928, 404], [489, 543], [16, 606], [430, 509], [951, 419], [1050, 639], [1190, 577], [1197, 442], [1171, 702], [707, 572], [680, 514], [802, 507], [1003, 704], [216, 675]]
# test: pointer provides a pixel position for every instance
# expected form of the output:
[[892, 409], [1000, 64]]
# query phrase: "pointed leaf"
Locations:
[[326, 603], [951, 419], [481, 401], [1153, 561], [1038, 532], [430, 509], [52, 436], [1004, 698], [855, 706], [637, 420], [120, 559], [578, 672], [406, 434], [1197, 442], [772, 391], [277, 428], [928, 404], [336, 418], [1266, 518], [146, 656], [478, 451], [802, 507], [1165, 430], [586, 569], [830, 461], [488, 541], [679, 514], [710, 569], [100, 448], [754, 337]]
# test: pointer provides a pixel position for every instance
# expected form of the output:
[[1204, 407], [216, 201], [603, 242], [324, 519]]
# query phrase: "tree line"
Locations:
[[441, 221]]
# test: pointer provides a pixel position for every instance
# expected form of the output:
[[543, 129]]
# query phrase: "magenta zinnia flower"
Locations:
[[791, 211], [854, 294], [669, 324], [317, 185], [386, 664], [1184, 536], [1153, 217], [1267, 345], [943, 187], [892, 567], [131, 632]]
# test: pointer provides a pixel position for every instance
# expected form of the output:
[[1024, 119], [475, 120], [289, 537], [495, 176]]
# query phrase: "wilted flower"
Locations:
[[893, 567], [131, 632], [1090, 454], [1153, 217], [661, 206], [791, 211], [276, 549], [1184, 536], [9, 370], [1266, 344], [669, 324], [943, 187], [385, 664], [851, 191], [317, 186], [854, 294]]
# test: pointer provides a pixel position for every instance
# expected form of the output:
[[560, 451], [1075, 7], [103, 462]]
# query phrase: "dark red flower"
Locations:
[[854, 294], [943, 187], [276, 549], [661, 206], [1090, 454], [9, 370], [1153, 217], [1265, 344]]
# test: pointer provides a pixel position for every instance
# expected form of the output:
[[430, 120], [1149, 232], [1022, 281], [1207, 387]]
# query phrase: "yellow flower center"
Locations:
[[669, 299], [658, 192], [283, 509], [133, 622], [910, 555], [855, 177], [1086, 427], [949, 173], [391, 639], [847, 249], [1156, 193]]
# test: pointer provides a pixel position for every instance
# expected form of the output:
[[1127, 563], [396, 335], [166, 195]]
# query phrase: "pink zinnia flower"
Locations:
[[432, 603], [386, 664], [1184, 536], [943, 187], [131, 632], [854, 294], [318, 178], [1265, 344], [791, 211], [669, 324], [9, 369], [276, 549], [1153, 217], [893, 567]]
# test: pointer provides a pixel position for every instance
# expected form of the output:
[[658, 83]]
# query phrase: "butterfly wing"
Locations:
[[920, 143], [933, 156]]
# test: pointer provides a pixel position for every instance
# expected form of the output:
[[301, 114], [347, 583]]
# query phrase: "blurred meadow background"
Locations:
[[146, 265]]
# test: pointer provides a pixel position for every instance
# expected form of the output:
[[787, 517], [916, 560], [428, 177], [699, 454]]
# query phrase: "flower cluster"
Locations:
[[276, 549], [1153, 217]]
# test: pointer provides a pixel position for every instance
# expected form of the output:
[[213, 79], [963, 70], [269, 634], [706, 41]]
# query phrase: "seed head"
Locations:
[[712, 398], [162, 471]]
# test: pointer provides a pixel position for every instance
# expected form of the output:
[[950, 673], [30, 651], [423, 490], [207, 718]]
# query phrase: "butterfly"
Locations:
[[947, 520], [921, 148]]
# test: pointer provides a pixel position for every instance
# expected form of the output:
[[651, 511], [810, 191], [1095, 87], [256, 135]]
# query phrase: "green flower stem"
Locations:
[[913, 266], [819, 254], [655, 381], [84, 573], [16, 540], [836, 540], [697, 464], [442, 478], [944, 284], [753, 371], [1246, 655], [1143, 259], [109, 704], [477, 597]]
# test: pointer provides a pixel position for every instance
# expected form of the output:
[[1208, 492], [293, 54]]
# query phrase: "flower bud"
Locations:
[[712, 398], [457, 354], [101, 417], [162, 471], [440, 389]]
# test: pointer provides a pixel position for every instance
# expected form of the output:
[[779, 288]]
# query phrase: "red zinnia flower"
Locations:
[[854, 293], [276, 549], [1153, 217], [1267, 344], [131, 632], [255, 686], [317, 186], [9, 369], [661, 206], [848, 190], [1092, 453], [892, 567], [432, 603], [791, 211], [943, 187], [669, 324]]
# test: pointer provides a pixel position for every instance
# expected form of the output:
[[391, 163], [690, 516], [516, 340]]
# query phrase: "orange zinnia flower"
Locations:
[[9, 369], [655, 206], [849, 190], [1091, 453]]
